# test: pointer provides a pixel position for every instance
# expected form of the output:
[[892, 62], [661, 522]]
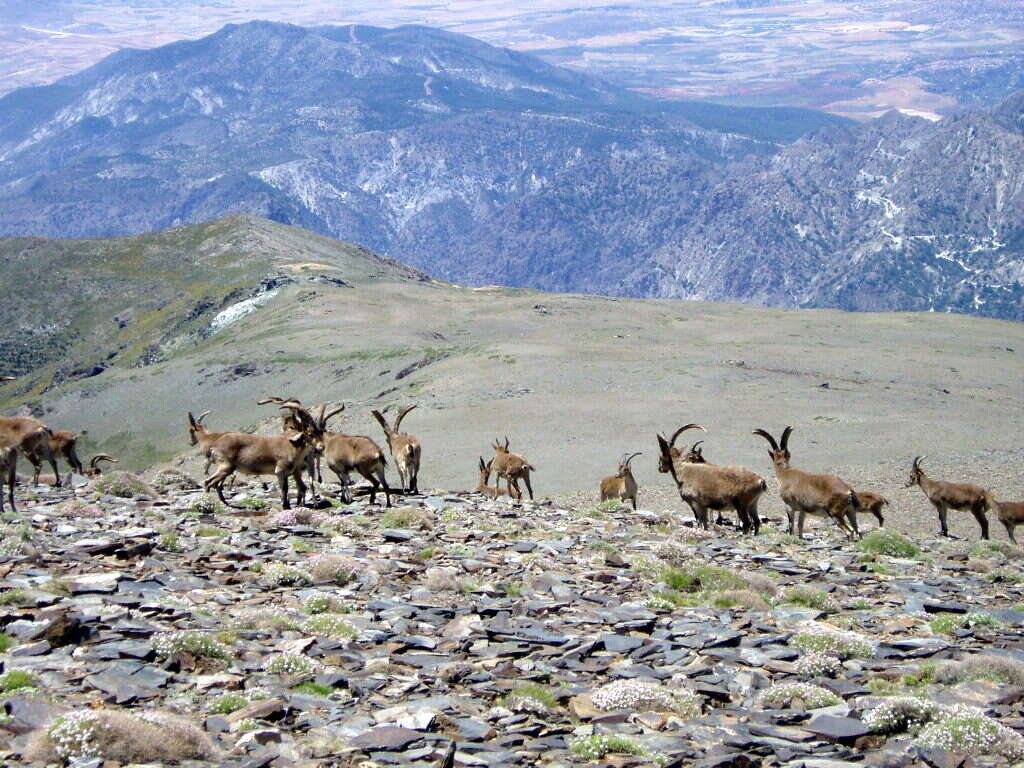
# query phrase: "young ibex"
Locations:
[[706, 486], [871, 503], [95, 470], [808, 494], [621, 485], [513, 468], [1011, 514], [405, 450], [62, 443], [30, 436], [281, 455], [482, 485], [958, 496], [8, 473], [345, 453]]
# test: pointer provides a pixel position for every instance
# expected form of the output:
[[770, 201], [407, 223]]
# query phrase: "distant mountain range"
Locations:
[[479, 164]]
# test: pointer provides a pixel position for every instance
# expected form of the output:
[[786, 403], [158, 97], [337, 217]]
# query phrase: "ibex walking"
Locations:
[[696, 456], [345, 453], [958, 496], [621, 485], [707, 486], [808, 494], [405, 450], [30, 436], [61, 443], [513, 468], [199, 434], [281, 455]]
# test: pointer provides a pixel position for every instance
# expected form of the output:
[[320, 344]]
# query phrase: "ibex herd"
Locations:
[[305, 442]]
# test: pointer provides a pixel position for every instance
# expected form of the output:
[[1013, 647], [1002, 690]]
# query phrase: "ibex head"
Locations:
[[916, 473], [779, 451], [497, 445], [196, 426], [624, 462], [695, 454], [669, 452]]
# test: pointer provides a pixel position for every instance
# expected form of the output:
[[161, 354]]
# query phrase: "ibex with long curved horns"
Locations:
[[809, 494], [706, 486], [959, 496], [621, 485], [344, 453], [281, 455], [405, 450]]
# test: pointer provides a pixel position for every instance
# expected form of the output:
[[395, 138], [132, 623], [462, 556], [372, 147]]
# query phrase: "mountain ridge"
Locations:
[[480, 165]]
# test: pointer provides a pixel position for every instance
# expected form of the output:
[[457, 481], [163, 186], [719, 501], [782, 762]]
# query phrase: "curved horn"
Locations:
[[682, 429], [631, 457], [483, 465], [694, 446], [7, 378], [101, 457], [401, 415], [784, 440], [268, 400], [203, 415], [506, 442], [330, 414], [768, 437], [918, 460]]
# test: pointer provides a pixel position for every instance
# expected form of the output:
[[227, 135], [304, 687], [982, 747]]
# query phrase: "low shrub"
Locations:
[[840, 643], [798, 696], [200, 644], [818, 665], [326, 625], [996, 669], [125, 737], [808, 597], [291, 665], [885, 541], [284, 575], [595, 747], [333, 567], [124, 485], [645, 696], [227, 703]]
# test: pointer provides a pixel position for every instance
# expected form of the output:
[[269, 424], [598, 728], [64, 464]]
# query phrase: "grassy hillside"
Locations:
[[573, 380]]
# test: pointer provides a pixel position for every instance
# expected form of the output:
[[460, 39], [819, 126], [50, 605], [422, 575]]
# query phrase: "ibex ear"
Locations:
[[191, 419], [663, 445], [482, 464]]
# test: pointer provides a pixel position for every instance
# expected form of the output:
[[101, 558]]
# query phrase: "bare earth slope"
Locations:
[[574, 381]]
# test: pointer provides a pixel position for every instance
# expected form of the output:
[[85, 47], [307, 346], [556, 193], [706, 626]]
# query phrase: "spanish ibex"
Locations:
[[29, 436], [871, 503], [513, 468], [95, 470], [959, 496], [695, 455], [199, 434], [290, 422], [281, 455], [809, 494], [61, 443], [483, 485], [405, 450], [707, 486], [8, 473], [345, 453], [621, 485]]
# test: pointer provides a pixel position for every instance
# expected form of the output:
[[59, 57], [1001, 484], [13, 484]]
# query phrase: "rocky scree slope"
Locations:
[[545, 634]]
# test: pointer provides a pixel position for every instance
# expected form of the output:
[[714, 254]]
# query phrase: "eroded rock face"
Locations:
[[520, 635]]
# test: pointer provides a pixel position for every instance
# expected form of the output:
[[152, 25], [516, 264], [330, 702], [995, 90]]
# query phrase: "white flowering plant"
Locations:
[[785, 695]]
